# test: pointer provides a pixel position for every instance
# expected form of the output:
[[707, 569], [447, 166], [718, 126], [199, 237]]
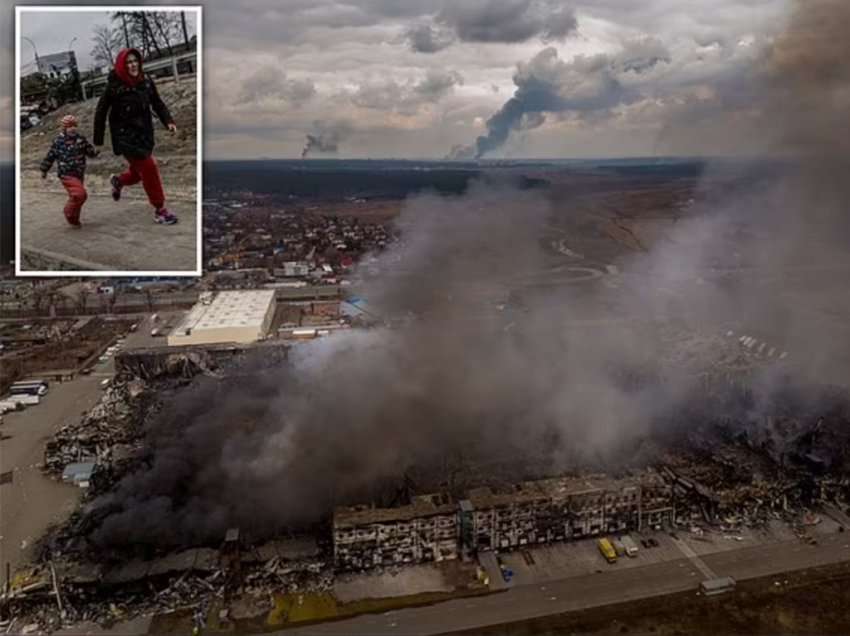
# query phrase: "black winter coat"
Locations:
[[70, 154], [130, 121]]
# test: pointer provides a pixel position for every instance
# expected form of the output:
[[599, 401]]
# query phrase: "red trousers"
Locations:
[[147, 171], [77, 195]]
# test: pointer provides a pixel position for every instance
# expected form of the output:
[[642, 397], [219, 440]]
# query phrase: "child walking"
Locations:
[[69, 150]]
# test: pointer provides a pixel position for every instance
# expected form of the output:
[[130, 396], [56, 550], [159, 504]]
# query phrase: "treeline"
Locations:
[[153, 33]]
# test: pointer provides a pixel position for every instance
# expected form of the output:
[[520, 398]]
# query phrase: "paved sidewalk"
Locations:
[[114, 236]]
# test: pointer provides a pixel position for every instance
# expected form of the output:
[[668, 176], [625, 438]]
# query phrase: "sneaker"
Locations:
[[116, 187], [164, 217]]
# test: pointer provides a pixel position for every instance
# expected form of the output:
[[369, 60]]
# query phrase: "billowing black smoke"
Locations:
[[455, 376], [546, 84], [468, 372], [325, 139]]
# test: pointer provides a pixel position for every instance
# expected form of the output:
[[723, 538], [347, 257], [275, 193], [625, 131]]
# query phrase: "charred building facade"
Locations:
[[425, 530], [549, 510], [534, 512]]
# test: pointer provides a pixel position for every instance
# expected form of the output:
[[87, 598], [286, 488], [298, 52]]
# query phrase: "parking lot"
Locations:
[[578, 558], [29, 501]]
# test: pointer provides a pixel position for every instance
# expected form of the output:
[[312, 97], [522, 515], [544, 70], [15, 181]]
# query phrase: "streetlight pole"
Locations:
[[35, 50], [75, 73]]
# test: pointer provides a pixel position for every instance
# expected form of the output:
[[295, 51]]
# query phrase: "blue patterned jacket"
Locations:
[[70, 154]]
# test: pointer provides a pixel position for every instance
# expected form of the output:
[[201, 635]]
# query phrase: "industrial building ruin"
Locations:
[[425, 530], [433, 528]]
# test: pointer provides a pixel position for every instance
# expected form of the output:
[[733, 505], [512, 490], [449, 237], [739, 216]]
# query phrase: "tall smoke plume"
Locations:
[[325, 138], [352, 411], [586, 84]]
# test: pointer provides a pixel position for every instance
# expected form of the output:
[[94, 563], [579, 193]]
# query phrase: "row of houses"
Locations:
[[434, 527]]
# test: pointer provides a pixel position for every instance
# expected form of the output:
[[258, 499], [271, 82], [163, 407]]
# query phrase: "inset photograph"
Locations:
[[108, 141]]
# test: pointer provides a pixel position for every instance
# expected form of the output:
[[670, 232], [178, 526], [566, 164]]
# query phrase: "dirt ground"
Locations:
[[122, 236], [816, 602], [114, 236]]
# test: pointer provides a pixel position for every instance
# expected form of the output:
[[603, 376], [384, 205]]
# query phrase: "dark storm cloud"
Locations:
[[340, 43], [508, 20], [425, 38], [269, 81]]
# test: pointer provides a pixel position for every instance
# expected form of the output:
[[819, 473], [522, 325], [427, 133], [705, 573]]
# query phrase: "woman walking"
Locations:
[[128, 100]]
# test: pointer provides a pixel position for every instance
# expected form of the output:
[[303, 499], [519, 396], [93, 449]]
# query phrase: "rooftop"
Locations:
[[228, 309], [422, 506]]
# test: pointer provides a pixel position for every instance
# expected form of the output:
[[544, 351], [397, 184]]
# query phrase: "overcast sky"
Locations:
[[53, 32], [419, 78]]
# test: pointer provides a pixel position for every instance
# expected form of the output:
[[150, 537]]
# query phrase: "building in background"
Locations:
[[58, 65], [230, 316]]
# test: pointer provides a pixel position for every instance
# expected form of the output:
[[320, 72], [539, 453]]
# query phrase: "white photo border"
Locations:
[[199, 193]]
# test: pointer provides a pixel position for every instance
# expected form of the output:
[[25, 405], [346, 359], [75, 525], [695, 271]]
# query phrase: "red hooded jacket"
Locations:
[[121, 67], [128, 102]]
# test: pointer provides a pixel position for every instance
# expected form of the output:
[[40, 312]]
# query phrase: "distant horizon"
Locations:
[[647, 158]]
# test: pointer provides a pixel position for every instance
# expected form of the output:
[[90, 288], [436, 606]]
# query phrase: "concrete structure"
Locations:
[[425, 530], [549, 510], [232, 316], [58, 65], [432, 528], [174, 66]]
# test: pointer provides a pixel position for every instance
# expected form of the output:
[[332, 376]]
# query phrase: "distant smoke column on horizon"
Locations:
[[325, 139], [583, 86]]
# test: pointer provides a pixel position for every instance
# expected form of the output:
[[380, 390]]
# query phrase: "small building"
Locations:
[[721, 585], [58, 65], [79, 474], [230, 316]]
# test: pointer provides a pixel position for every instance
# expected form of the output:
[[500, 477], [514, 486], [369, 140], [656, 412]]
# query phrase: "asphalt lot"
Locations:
[[114, 236], [32, 502], [612, 584]]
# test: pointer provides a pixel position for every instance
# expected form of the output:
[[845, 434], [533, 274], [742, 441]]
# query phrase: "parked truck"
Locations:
[[607, 550], [11, 405], [619, 548], [629, 545]]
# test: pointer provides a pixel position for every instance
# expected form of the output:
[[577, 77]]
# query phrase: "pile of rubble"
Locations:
[[108, 434], [163, 362], [66, 591], [733, 482]]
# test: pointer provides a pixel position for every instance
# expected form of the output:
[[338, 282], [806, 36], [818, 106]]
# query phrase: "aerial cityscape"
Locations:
[[515, 317]]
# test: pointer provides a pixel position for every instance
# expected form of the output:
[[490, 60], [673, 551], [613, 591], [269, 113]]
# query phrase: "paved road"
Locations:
[[31, 502], [114, 236], [614, 586]]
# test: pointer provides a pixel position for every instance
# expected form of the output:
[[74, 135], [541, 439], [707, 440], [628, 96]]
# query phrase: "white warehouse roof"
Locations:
[[246, 312]]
